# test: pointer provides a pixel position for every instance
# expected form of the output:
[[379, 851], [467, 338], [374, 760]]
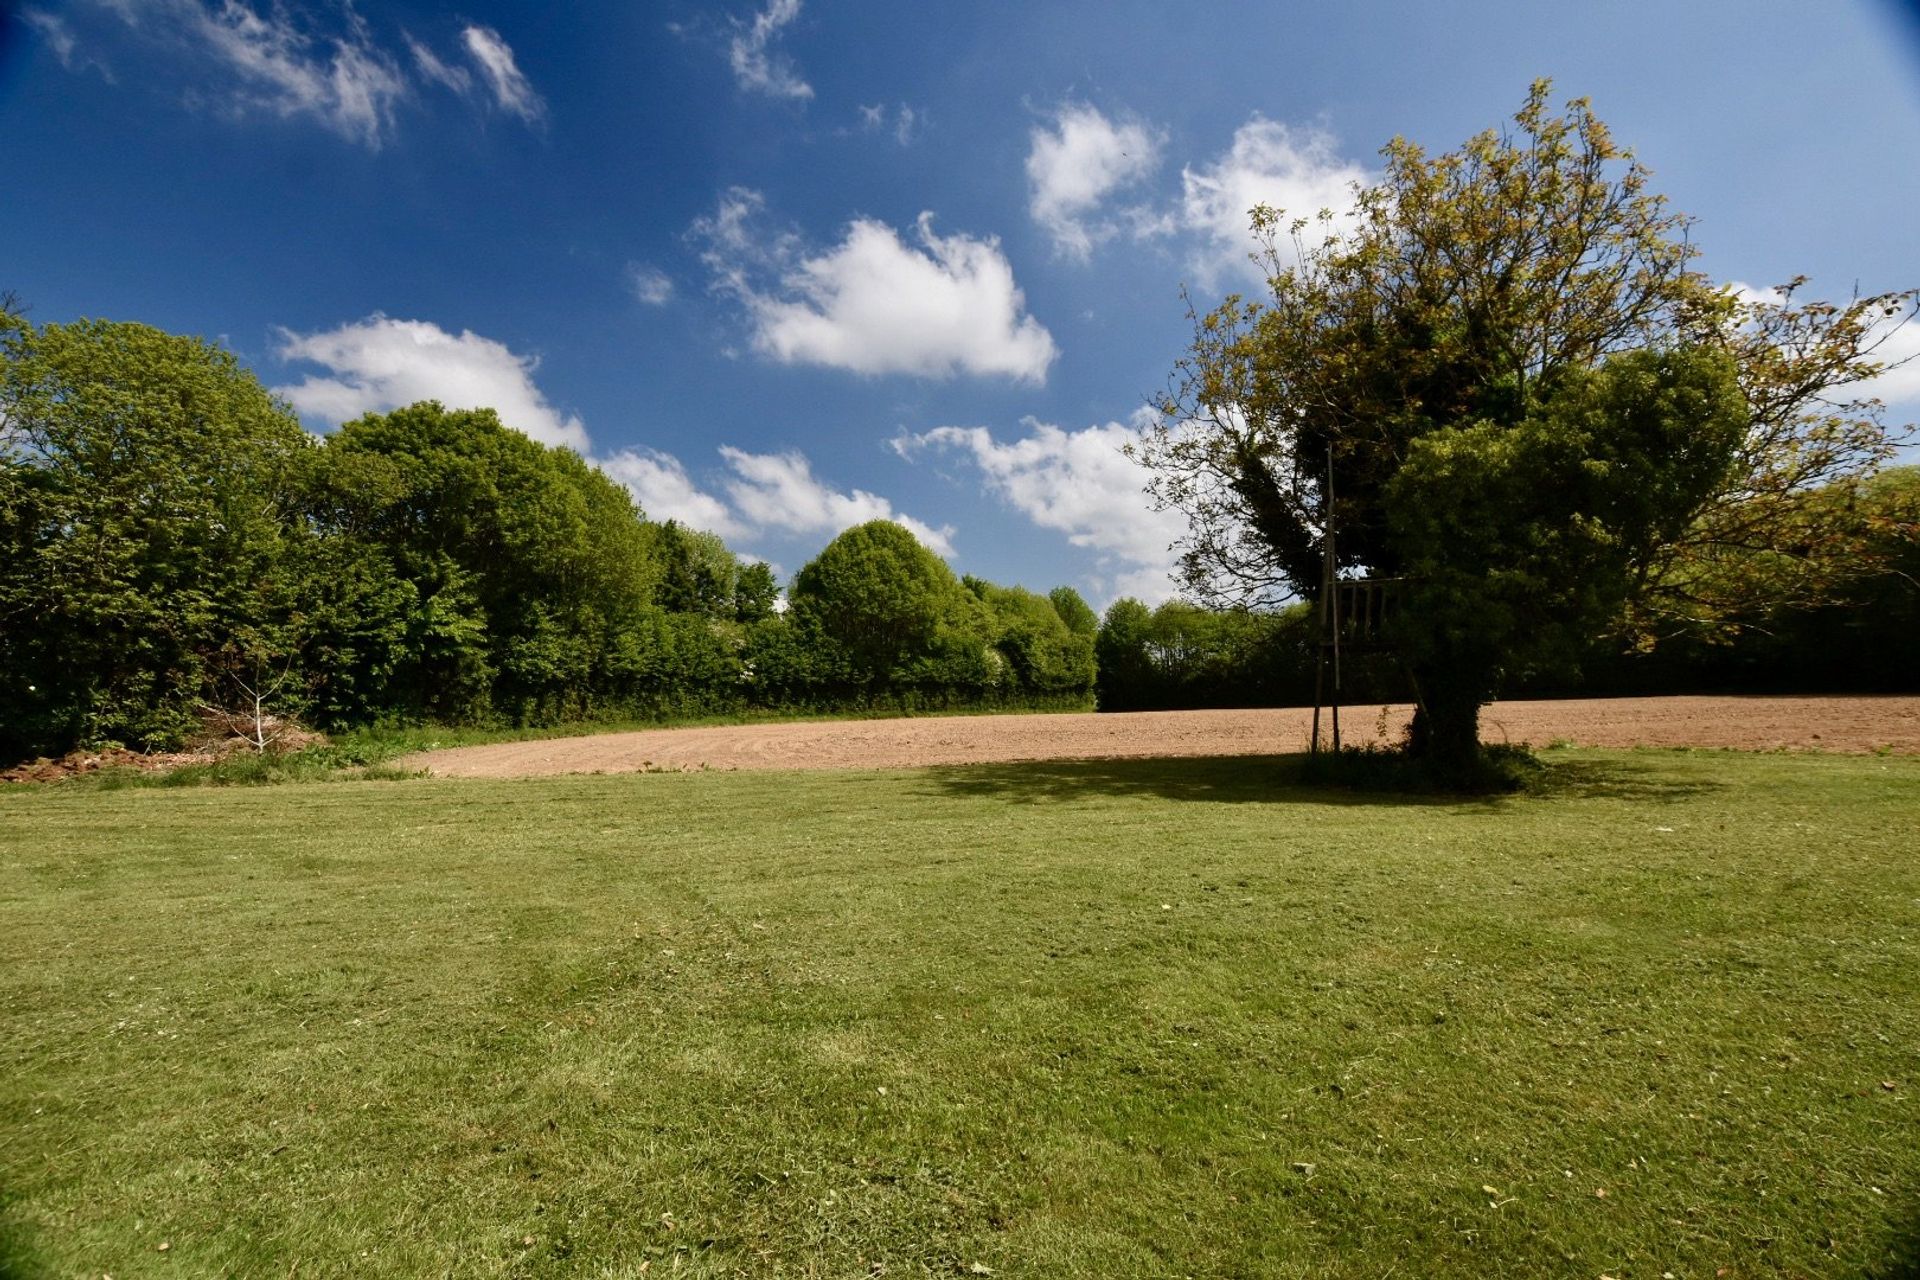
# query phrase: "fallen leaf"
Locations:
[[980, 1269], [1492, 1191]]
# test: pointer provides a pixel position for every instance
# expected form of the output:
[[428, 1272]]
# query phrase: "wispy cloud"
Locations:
[[650, 285], [511, 90], [299, 62], [757, 66], [345, 82], [65, 44], [902, 122], [444, 74]]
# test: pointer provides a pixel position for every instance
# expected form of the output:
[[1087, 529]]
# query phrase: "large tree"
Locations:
[[526, 563], [892, 606], [146, 481], [1502, 378]]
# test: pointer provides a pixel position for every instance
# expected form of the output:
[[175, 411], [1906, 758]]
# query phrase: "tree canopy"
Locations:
[[146, 482], [1503, 379], [173, 545]]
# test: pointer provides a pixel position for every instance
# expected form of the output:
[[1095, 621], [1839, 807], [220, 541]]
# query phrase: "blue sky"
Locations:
[[789, 264]]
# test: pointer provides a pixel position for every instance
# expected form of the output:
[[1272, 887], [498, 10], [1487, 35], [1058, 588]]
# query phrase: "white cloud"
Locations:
[[763, 492], [1899, 349], [660, 484], [757, 69], [734, 249], [283, 60], [1078, 483], [379, 364], [512, 92], [458, 79], [1293, 170], [906, 121], [650, 285], [345, 83], [1076, 164], [778, 490], [59, 37], [875, 304]]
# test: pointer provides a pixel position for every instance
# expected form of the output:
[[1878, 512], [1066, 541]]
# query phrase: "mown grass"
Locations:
[[1145, 1018]]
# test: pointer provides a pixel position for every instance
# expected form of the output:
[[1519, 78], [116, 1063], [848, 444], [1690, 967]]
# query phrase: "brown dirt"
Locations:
[[221, 736], [79, 762], [1844, 724]]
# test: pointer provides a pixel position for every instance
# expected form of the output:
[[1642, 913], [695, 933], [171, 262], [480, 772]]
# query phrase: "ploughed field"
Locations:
[[1843, 724]]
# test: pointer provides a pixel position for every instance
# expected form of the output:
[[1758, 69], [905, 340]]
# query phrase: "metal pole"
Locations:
[[1333, 599]]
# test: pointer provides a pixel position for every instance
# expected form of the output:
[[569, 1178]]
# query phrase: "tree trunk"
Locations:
[[1446, 724]]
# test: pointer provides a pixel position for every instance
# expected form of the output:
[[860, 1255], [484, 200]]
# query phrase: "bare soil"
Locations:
[[222, 735], [1842, 724]]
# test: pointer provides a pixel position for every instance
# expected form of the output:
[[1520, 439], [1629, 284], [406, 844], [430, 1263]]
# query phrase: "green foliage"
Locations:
[[694, 571], [886, 601], [1074, 611], [755, 593], [170, 538], [1504, 378], [1186, 655], [1522, 542], [1861, 635], [1041, 652], [146, 482], [1120, 655], [526, 563]]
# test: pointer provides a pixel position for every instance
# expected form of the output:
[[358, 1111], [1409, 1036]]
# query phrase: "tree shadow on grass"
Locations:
[[1619, 780], [1903, 1257], [1282, 779], [1277, 779], [17, 1260]]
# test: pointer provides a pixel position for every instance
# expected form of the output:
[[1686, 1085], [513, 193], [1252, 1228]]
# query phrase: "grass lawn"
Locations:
[[1163, 1018]]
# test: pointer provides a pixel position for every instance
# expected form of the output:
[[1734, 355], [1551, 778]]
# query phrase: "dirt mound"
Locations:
[[1845, 724], [78, 762], [222, 735]]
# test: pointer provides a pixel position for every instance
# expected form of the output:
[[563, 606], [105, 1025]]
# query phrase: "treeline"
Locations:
[[173, 542], [1863, 639], [1180, 655]]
